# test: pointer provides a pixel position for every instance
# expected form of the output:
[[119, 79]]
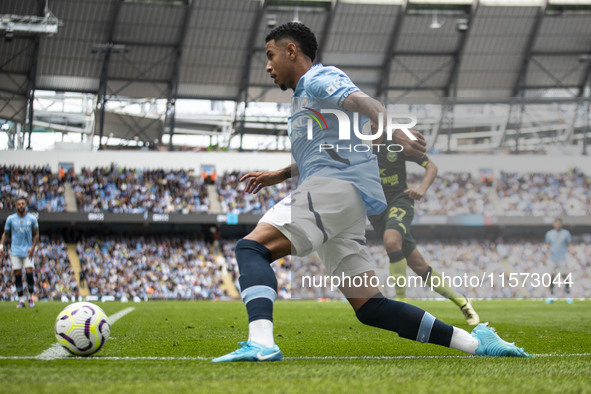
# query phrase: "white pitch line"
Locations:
[[57, 351], [369, 358]]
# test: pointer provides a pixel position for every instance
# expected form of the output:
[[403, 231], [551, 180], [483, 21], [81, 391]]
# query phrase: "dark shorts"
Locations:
[[398, 216]]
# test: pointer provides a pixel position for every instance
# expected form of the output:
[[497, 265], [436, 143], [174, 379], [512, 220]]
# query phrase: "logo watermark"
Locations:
[[388, 124]]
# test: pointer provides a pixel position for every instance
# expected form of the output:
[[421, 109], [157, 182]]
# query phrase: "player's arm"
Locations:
[[430, 174], [259, 179], [373, 109], [35, 242]]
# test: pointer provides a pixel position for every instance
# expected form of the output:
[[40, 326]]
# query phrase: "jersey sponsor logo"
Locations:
[[391, 180], [336, 84]]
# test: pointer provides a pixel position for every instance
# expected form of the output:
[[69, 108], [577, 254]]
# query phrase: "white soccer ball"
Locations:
[[82, 328]]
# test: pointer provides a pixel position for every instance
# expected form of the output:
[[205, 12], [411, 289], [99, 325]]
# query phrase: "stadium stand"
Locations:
[[233, 199], [453, 194], [542, 194], [122, 190], [45, 190], [170, 266], [54, 274]]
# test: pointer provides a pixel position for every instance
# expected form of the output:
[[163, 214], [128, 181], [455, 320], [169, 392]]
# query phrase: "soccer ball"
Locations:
[[82, 328]]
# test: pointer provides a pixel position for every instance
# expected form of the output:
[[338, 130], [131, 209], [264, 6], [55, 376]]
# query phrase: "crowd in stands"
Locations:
[[151, 267], [54, 275], [453, 194], [122, 190], [234, 200], [540, 194], [44, 191], [176, 267], [494, 261]]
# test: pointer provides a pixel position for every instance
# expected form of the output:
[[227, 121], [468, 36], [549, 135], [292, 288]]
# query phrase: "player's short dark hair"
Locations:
[[298, 32], [20, 198]]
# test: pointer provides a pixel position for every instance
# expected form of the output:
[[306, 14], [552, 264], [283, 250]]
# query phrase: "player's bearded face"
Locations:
[[20, 206]]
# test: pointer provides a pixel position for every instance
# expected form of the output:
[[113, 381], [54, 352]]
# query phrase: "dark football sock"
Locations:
[[407, 320], [30, 283], [258, 284], [18, 282]]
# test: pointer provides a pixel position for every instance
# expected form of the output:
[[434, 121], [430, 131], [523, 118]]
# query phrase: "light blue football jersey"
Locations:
[[558, 241], [21, 232], [310, 128]]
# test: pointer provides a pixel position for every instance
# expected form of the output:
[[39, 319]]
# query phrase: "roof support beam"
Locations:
[[452, 83], [32, 86], [32, 77], [390, 51], [585, 80], [250, 51], [420, 81], [326, 31], [558, 81], [174, 82], [520, 81], [102, 92]]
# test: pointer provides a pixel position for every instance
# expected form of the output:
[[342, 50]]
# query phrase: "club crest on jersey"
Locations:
[[392, 156]]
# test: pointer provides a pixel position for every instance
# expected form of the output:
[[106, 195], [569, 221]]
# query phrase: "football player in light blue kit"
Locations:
[[338, 186], [558, 239], [23, 229]]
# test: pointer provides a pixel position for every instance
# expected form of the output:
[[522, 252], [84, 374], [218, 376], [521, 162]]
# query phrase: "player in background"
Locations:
[[327, 212], [394, 226], [23, 229], [558, 238]]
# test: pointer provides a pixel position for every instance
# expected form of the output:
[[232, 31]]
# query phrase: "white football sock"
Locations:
[[462, 340], [261, 332]]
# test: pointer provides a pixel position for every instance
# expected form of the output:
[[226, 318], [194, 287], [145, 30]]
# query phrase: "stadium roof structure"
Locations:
[[467, 51]]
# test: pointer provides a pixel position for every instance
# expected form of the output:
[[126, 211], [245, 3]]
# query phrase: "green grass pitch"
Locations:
[[166, 347]]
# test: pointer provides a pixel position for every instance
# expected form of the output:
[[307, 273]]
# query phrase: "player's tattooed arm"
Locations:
[[289, 171], [259, 179]]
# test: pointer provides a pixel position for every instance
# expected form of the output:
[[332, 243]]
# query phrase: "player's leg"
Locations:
[[30, 277], [551, 299], [567, 294], [258, 284], [275, 236], [258, 290], [411, 322], [417, 263], [561, 270], [397, 266], [400, 213], [17, 269]]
